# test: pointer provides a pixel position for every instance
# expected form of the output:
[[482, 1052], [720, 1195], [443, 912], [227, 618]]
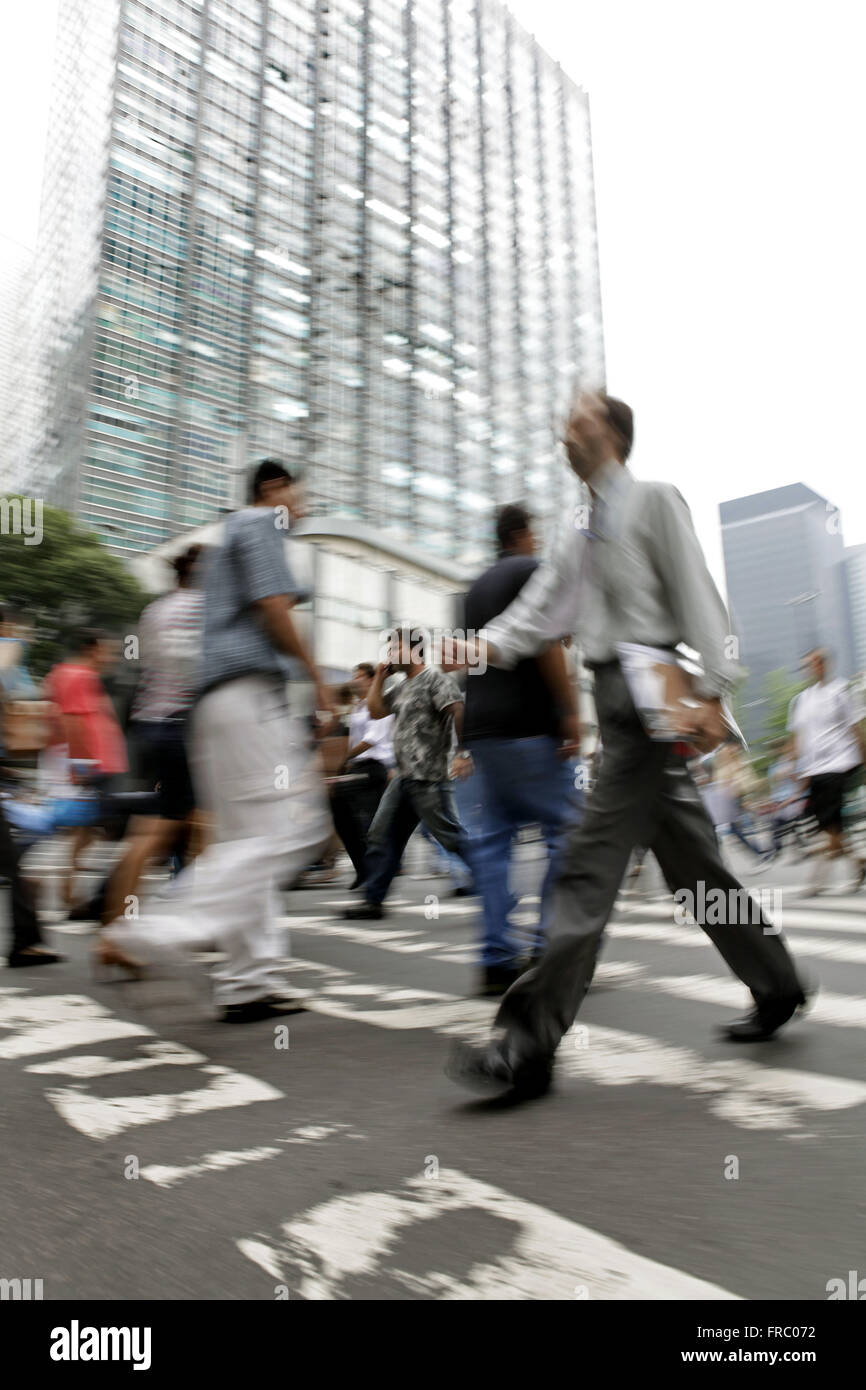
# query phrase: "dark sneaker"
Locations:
[[272, 1006], [364, 912]]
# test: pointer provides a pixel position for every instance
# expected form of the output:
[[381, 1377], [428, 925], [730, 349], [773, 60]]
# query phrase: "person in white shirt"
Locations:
[[825, 722], [369, 761]]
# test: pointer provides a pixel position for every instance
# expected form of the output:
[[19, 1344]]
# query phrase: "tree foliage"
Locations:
[[64, 584], [778, 689]]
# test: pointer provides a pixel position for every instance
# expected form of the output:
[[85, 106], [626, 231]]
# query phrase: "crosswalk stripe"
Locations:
[[849, 952], [836, 1010], [157, 1054], [545, 1256], [52, 1022], [748, 1094], [103, 1117], [57, 1022], [169, 1175], [826, 920], [852, 953]]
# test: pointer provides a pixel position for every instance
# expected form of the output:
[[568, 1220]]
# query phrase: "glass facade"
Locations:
[[855, 583], [786, 586], [356, 233]]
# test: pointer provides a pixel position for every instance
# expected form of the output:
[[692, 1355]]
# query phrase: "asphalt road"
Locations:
[[153, 1152]]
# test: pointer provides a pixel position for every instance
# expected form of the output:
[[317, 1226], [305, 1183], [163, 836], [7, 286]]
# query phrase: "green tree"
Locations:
[[778, 689], [64, 584]]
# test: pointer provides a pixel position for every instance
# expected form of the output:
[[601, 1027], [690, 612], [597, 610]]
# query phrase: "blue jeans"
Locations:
[[522, 781], [467, 813], [404, 804]]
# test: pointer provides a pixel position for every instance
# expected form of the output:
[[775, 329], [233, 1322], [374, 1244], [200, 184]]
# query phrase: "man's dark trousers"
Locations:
[[353, 806], [644, 796], [406, 804], [25, 923]]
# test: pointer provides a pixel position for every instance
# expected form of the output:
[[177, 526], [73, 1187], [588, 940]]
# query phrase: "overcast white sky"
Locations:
[[732, 224]]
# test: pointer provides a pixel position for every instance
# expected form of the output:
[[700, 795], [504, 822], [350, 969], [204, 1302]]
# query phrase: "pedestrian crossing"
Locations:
[[105, 1074], [330, 1249]]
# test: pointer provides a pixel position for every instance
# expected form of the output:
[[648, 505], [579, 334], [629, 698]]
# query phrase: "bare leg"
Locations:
[[149, 838], [81, 838]]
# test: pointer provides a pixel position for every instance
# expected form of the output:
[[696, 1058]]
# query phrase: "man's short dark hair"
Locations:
[[90, 638], [621, 420], [413, 637], [366, 668], [268, 471], [511, 521], [184, 563]]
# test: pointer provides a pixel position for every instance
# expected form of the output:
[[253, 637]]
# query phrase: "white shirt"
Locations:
[[377, 732], [822, 717]]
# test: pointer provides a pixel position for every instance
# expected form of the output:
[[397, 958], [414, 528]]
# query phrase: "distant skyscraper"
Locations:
[[16, 393], [357, 233], [786, 585], [855, 576]]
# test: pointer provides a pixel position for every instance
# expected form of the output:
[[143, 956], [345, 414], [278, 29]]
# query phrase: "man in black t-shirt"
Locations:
[[520, 727]]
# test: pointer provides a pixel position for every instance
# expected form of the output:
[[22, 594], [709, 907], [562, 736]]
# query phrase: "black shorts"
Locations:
[[826, 795], [164, 766]]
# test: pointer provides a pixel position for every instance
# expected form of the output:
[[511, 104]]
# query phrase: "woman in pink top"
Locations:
[[87, 726]]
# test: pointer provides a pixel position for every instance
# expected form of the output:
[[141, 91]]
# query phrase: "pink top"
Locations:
[[77, 690]]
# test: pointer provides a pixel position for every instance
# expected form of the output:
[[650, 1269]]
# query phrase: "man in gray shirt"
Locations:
[[252, 766], [428, 710], [629, 571]]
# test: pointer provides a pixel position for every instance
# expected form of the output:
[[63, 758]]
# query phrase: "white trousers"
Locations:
[[254, 770]]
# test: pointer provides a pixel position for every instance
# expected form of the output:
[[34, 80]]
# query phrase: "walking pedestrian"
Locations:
[[631, 572], [788, 797], [88, 735], [521, 728], [367, 765], [427, 706], [170, 633], [826, 724], [253, 768]]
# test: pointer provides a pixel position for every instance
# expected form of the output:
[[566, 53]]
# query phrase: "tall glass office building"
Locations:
[[356, 233], [787, 587]]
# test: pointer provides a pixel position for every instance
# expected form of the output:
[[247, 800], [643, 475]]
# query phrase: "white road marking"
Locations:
[[158, 1054], [543, 1255], [169, 1175], [837, 1010], [102, 1117], [818, 946], [52, 1022], [797, 918], [745, 1093]]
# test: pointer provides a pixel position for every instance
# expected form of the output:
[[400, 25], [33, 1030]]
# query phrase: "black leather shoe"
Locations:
[[33, 955], [364, 912], [488, 1070], [272, 1006], [763, 1021], [496, 979]]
